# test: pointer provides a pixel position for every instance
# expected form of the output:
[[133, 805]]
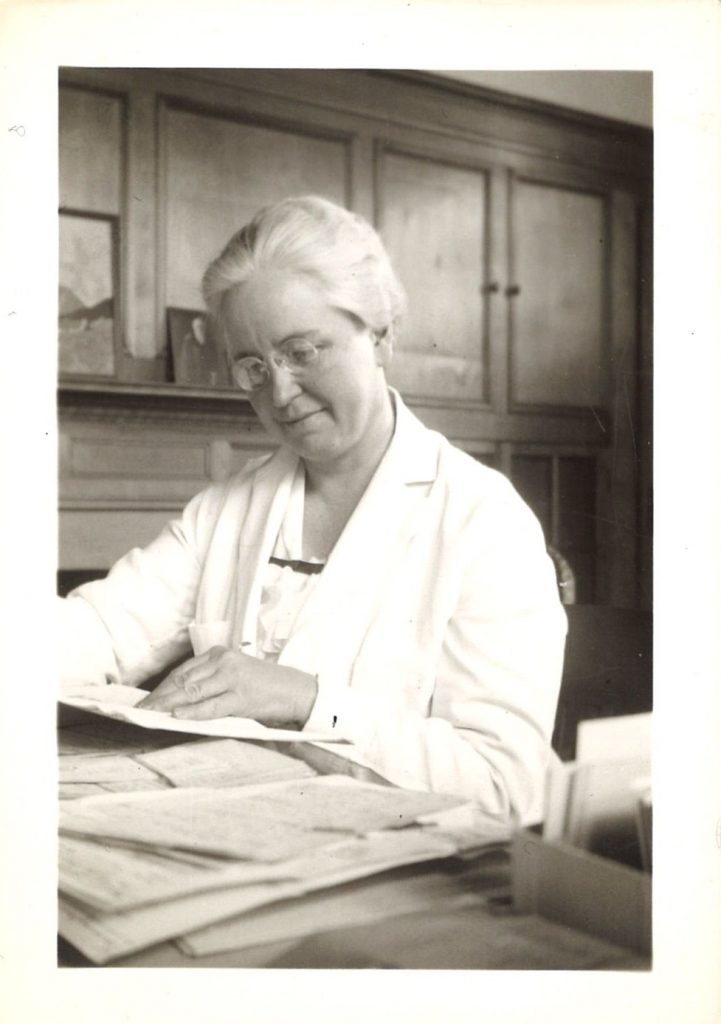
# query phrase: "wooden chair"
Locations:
[[607, 671]]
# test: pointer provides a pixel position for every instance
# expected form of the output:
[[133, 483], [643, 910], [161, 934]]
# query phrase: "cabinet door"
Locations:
[[90, 151], [219, 172], [558, 267], [432, 217]]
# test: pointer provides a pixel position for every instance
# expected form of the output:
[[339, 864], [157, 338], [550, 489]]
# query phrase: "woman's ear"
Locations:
[[384, 343]]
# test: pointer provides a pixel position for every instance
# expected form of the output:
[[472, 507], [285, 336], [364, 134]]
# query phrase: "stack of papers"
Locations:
[[169, 835], [137, 868]]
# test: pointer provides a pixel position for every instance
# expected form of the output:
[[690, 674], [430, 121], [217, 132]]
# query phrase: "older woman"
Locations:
[[368, 577]]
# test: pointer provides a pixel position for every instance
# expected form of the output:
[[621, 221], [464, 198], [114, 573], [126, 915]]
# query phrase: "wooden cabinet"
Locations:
[[433, 217], [520, 232], [559, 286]]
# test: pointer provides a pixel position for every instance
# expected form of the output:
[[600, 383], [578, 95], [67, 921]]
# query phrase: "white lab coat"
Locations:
[[435, 629]]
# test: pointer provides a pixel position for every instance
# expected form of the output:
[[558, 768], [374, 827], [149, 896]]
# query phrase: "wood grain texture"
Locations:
[[219, 173], [90, 150], [433, 221], [558, 315]]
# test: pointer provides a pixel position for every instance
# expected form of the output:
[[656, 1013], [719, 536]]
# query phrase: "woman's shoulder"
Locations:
[[478, 495]]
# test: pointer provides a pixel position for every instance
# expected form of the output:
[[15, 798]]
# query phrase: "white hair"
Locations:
[[311, 236]]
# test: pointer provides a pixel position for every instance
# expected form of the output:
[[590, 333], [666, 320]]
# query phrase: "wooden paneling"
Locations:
[[90, 150], [218, 173], [152, 458], [143, 318], [119, 460], [558, 314], [98, 538], [454, 110], [618, 540], [433, 220]]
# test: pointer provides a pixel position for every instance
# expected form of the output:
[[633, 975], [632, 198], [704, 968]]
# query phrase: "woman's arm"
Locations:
[[133, 623]]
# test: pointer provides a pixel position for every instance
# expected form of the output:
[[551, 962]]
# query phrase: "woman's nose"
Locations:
[[283, 385]]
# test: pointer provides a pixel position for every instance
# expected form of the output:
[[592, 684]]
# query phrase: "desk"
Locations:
[[450, 914]]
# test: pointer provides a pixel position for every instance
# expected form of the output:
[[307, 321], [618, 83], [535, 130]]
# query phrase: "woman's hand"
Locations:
[[227, 682]]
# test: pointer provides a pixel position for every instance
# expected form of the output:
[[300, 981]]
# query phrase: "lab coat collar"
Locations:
[[374, 538], [413, 451], [333, 621]]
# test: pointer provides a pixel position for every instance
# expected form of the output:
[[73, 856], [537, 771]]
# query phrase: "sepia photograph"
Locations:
[[356, 555], [360, 540]]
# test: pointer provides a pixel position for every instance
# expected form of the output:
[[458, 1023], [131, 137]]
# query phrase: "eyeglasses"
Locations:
[[251, 373]]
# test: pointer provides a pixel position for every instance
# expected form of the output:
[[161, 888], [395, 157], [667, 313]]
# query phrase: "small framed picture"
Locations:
[[196, 356], [88, 329]]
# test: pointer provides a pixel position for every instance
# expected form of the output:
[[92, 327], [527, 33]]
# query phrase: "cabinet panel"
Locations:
[[154, 459], [218, 173], [558, 315], [433, 220], [90, 151]]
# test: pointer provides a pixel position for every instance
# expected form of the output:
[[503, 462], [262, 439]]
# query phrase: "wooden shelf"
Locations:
[[98, 398]]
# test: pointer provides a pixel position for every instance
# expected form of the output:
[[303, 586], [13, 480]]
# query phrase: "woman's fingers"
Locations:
[[193, 691], [225, 703], [190, 682]]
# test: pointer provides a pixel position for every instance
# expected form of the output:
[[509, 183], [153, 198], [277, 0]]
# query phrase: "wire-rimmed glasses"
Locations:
[[251, 373]]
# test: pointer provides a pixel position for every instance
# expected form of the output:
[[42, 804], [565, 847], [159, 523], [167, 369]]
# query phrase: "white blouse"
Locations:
[[285, 589]]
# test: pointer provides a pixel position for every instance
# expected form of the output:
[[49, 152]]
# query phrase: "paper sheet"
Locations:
[[201, 819], [110, 768], [223, 762], [267, 823], [614, 739], [75, 790], [98, 737], [118, 702], [114, 879]]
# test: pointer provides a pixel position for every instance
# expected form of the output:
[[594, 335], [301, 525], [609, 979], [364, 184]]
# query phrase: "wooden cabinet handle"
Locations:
[[513, 290], [491, 288]]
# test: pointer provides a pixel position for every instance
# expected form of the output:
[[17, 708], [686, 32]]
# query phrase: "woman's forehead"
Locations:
[[273, 305]]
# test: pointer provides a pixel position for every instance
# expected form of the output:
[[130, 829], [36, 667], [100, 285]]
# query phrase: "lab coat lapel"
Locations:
[[271, 490], [332, 623]]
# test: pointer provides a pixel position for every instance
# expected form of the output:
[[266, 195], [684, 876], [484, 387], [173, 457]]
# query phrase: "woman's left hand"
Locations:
[[227, 682]]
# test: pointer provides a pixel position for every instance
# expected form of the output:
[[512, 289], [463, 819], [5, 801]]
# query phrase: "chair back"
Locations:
[[608, 669]]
